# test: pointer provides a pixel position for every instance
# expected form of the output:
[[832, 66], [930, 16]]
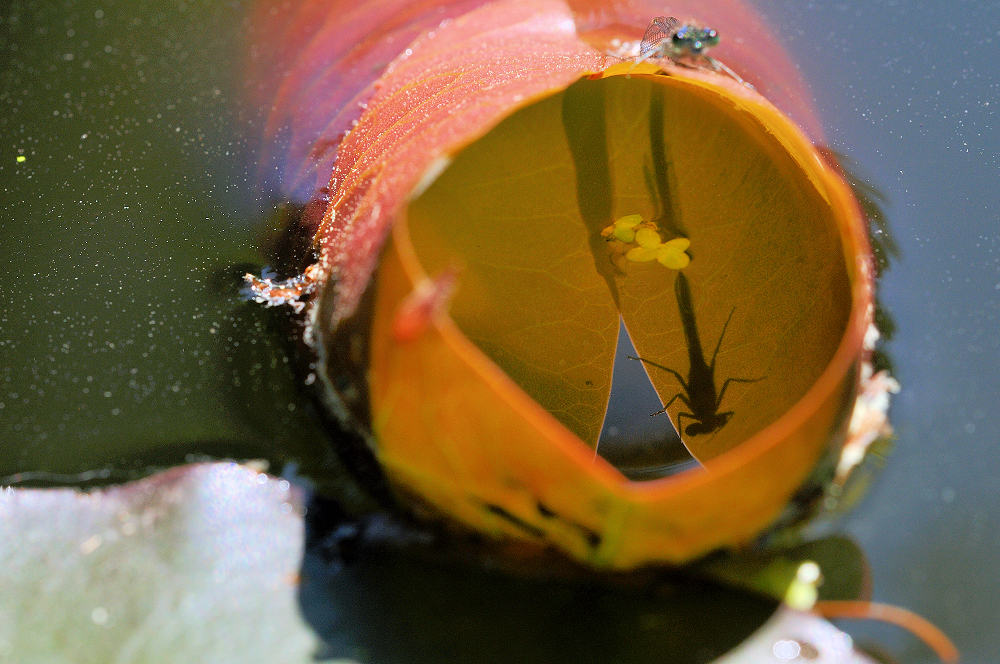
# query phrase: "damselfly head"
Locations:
[[693, 40], [666, 37]]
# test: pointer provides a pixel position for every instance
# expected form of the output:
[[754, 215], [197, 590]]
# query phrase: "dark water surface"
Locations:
[[123, 340], [124, 344], [911, 92]]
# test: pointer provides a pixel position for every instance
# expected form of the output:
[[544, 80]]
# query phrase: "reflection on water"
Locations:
[[376, 591]]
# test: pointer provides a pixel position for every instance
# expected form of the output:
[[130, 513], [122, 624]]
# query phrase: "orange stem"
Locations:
[[916, 625]]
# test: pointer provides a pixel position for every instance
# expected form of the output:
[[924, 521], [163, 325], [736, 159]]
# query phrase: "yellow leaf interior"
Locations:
[[526, 211]]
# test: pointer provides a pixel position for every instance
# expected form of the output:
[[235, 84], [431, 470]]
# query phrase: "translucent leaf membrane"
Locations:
[[541, 289], [531, 294], [491, 414]]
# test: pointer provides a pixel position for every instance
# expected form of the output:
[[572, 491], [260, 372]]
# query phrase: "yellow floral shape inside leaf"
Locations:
[[673, 254], [623, 229], [642, 254], [647, 238]]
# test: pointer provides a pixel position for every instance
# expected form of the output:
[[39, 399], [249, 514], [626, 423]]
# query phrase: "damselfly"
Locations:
[[686, 44]]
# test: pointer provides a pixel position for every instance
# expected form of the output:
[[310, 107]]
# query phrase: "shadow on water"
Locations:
[[378, 592]]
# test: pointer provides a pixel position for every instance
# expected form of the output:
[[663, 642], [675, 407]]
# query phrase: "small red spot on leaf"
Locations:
[[428, 300]]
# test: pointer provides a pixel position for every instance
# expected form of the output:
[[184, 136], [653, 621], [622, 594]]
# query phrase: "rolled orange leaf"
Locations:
[[502, 141]]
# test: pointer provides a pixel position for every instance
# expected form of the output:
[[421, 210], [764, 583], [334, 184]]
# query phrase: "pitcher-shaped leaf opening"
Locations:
[[509, 199], [493, 415]]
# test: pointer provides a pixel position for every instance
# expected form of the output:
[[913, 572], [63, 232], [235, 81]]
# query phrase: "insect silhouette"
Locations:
[[667, 38], [699, 392]]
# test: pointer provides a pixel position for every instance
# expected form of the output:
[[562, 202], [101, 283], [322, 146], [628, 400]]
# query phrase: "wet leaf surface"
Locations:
[[198, 564]]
